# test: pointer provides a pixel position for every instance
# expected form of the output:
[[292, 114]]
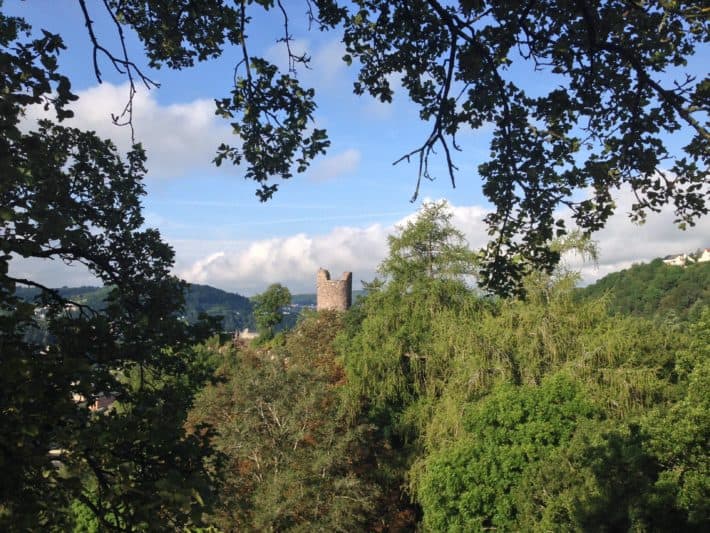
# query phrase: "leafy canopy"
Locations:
[[512, 431], [535, 414], [67, 195], [428, 248], [655, 290], [397, 352], [289, 459], [268, 308], [619, 105]]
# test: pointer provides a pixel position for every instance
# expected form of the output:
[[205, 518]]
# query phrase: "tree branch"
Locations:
[[123, 65], [55, 294]]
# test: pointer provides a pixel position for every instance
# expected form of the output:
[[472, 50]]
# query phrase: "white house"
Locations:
[[678, 260]]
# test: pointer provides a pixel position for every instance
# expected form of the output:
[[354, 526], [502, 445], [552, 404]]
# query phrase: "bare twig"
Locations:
[[293, 59], [123, 65]]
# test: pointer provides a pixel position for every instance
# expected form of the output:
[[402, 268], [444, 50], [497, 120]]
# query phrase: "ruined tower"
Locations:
[[333, 294]]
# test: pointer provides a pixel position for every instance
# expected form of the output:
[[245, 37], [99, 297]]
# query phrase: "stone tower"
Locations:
[[335, 294]]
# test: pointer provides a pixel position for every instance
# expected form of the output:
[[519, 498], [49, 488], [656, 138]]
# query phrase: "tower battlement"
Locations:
[[333, 294]]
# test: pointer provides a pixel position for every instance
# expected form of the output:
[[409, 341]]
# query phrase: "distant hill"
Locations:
[[655, 289], [92, 296], [303, 299], [235, 309]]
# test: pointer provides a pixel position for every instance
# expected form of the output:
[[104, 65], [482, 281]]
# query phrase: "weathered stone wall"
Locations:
[[333, 294]]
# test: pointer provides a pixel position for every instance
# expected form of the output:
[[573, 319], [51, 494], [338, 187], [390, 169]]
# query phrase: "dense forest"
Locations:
[[428, 406], [655, 289], [235, 310], [94, 297], [465, 391]]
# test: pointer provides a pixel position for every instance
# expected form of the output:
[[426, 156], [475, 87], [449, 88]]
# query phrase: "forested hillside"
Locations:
[[426, 406], [430, 406], [235, 309], [655, 290], [94, 297]]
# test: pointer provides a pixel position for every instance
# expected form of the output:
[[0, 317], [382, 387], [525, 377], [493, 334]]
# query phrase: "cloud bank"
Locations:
[[180, 139], [250, 267], [623, 243], [292, 261]]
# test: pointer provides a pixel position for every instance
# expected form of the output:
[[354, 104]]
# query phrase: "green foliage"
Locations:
[[611, 412], [509, 434], [528, 415], [655, 290], [427, 248], [648, 472], [234, 310], [679, 436], [394, 356], [624, 452], [290, 460], [268, 308], [84, 519], [601, 125], [537, 414], [68, 195], [623, 110]]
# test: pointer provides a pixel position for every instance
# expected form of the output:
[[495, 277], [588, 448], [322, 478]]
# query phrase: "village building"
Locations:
[[678, 259]]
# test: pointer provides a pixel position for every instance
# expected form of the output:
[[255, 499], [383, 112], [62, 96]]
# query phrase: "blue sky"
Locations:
[[336, 215]]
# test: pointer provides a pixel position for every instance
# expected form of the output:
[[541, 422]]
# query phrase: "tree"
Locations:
[[556, 416], [399, 352], [598, 127], [290, 459], [428, 248], [67, 195], [530, 414], [655, 289], [472, 485], [268, 308], [611, 118]]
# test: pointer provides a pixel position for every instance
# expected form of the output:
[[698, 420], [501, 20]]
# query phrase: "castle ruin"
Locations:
[[333, 294]]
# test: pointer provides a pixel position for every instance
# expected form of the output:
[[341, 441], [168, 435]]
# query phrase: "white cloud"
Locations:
[[248, 267], [179, 138], [198, 269], [336, 165], [294, 260]]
